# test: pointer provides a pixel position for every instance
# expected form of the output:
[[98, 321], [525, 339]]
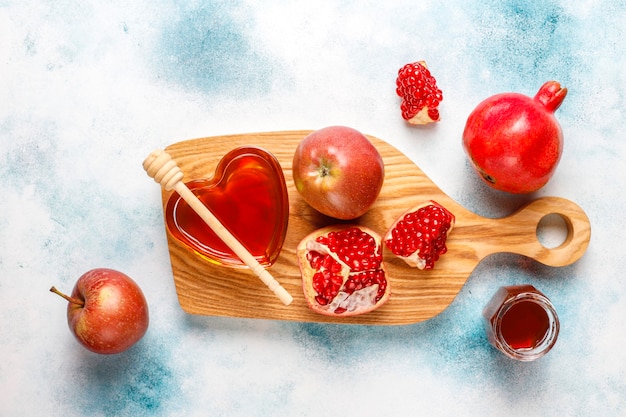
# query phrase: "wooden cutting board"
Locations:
[[209, 289]]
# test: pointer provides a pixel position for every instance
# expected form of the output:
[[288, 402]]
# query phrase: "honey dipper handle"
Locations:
[[160, 166]]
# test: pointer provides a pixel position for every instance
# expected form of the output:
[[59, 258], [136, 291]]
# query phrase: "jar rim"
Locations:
[[547, 341]]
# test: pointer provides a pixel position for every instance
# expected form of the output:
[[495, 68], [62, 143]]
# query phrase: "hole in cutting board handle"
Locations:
[[553, 230]]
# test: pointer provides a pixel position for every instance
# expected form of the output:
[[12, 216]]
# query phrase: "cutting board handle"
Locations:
[[517, 233]]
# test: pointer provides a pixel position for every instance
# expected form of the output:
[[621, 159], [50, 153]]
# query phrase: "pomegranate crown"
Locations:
[[551, 95]]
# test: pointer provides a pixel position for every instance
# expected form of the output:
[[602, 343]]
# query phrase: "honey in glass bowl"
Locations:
[[521, 322], [248, 195]]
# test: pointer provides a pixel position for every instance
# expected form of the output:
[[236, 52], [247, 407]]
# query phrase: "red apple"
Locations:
[[338, 171], [107, 312]]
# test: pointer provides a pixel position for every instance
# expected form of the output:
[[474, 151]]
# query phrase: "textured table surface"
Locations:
[[88, 89]]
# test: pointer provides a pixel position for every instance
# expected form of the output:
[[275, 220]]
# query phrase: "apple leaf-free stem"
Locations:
[[67, 297]]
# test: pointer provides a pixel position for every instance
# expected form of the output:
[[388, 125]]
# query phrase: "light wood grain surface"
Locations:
[[208, 289]]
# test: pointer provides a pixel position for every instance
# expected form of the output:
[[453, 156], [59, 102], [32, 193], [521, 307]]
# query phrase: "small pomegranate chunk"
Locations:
[[419, 235], [419, 92], [342, 270]]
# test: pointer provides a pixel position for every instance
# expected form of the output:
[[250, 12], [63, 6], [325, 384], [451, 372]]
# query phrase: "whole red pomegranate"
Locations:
[[342, 270], [513, 141]]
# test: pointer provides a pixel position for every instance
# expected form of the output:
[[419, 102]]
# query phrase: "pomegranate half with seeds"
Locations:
[[342, 270], [419, 235]]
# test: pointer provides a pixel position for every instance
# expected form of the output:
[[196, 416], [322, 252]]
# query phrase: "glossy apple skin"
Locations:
[[515, 142], [338, 171], [115, 314]]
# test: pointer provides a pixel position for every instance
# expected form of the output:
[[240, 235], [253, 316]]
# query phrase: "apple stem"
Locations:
[[67, 297]]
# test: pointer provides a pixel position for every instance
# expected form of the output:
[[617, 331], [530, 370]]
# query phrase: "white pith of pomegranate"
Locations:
[[342, 270], [419, 235]]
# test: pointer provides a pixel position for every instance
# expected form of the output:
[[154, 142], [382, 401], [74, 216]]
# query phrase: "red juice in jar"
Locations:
[[521, 322]]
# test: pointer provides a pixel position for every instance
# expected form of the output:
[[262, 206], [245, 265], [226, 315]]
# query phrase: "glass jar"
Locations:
[[521, 322]]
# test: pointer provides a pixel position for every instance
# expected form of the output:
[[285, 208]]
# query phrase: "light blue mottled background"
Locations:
[[89, 88]]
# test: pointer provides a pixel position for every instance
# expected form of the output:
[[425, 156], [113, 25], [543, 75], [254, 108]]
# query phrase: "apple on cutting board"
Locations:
[[107, 311], [338, 172]]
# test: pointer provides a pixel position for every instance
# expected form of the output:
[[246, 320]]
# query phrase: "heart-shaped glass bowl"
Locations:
[[248, 194]]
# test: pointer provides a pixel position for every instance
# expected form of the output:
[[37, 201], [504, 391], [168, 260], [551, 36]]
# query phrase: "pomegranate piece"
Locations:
[[342, 270], [419, 92], [419, 235]]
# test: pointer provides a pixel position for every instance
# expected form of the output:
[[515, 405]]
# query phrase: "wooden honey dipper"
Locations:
[[160, 166]]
